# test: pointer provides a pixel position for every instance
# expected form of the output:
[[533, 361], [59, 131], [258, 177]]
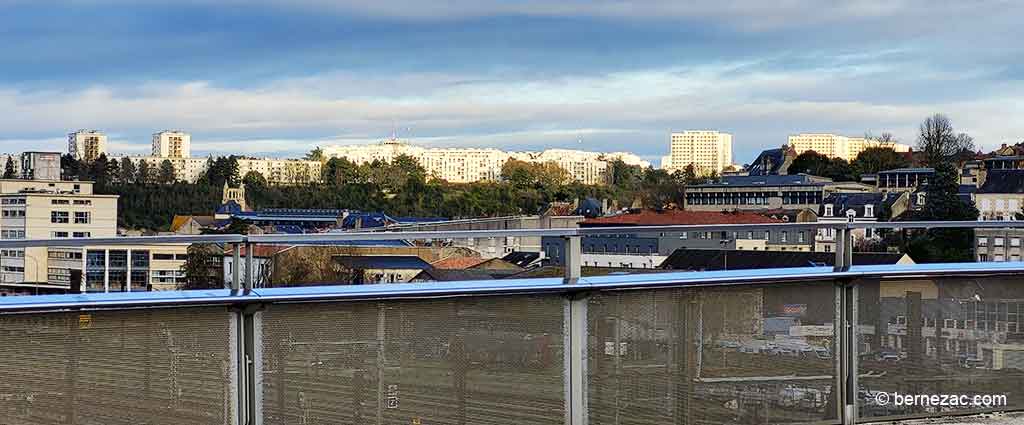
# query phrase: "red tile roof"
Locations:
[[457, 263], [678, 217]]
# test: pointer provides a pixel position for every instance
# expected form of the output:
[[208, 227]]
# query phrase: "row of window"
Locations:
[[61, 235], [983, 241], [13, 213], [869, 211], [14, 269], [63, 217], [12, 253], [997, 258], [12, 201], [65, 255], [12, 234], [70, 202]]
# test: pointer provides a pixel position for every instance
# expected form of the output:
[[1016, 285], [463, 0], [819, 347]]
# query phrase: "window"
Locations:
[[1014, 241], [869, 210], [750, 235], [982, 258], [767, 235], [60, 202], [81, 217], [982, 241], [684, 235], [997, 241], [82, 202], [828, 210], [800, 237], [81, 234], [784, 236], [56, 235], [59, 216], [163, 256]]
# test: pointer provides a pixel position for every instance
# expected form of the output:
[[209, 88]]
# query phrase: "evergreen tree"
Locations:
[[127, 170], [202, 269], [9, 169], [144, 175], [166, 174]]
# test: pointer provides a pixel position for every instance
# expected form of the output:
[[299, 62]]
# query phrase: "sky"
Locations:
[[279, 77]]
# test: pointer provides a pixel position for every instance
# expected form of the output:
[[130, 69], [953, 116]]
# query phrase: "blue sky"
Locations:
[[277, 77]]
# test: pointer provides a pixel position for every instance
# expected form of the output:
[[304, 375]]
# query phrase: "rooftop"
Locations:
[[1003, 181]]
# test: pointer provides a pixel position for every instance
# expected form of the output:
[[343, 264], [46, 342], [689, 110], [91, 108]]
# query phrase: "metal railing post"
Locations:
[[575, 334], [249, 278], [236, 268], [847, 351]]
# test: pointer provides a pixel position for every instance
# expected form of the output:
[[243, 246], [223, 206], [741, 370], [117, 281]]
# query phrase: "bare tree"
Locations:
[[940, 143]]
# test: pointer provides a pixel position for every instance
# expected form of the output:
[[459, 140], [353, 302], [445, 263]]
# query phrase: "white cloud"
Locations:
[[633, 110]]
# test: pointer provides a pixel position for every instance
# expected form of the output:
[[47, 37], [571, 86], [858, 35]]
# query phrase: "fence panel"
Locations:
[[155, 366], [758, 354], [492, 360], [940, 336]]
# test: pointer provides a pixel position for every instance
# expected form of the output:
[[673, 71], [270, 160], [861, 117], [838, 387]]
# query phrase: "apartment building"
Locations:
[[87, 145], [752, 193], [467, 165], [836, 146], [276, 171], [172, 144], [707, 150]]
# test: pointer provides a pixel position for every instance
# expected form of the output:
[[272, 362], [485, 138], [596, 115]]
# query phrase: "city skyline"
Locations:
[[601, 72]]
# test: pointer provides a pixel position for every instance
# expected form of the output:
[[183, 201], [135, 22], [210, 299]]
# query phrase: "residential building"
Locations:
[[998, 244], [1001, 197], [467, 165], [856, 208], [836, 146], [646, 250], [708, 151], [276, 171], [172, 144], [87, 145], [765, 192]]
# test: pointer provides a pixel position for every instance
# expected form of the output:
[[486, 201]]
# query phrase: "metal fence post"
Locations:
[[575, 334], [847, 350], [840, 260], [250, 279], [236, 268]]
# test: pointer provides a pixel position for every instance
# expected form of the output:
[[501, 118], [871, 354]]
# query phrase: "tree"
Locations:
[[9, 169], [940, 144], [810, 162], [873, 160], [166, 174], [316, 154], [341, 171], [127, 171], [203, 269], [254, 179], [100, 171], [144, 175], [624, 176], [943, 203]]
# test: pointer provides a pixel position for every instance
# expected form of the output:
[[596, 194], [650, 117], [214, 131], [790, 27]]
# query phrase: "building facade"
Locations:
[[276, 171], [467, 165], [708, 151], [87, 145], [172, 144], [836, 146], [751, 193], [496, 247]]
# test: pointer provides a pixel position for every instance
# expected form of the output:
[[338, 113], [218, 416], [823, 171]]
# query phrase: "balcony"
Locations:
[[793, 345]]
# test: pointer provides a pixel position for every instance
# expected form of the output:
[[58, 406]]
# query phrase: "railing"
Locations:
[[803, 345]]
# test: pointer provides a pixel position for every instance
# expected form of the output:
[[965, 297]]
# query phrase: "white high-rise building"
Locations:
[[87, 145], [172, 144], [706, 150], [467, 165], [836, 146]]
